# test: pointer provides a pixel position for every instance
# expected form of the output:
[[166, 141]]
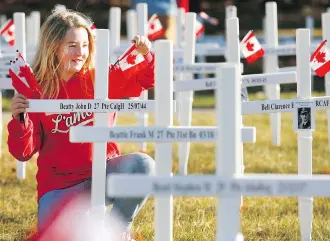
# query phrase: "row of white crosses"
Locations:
[[163, 132], [115, 39], [100, 105], [254, 80], [268, 79], [184, 113], [5, 82], [272, 51], [227, 184], [274, 106], [114, 24], [186, 71], [183, 50], [202, 49], [271, 65], [251, 107], [26, 33], [137, 23], [54, 106]]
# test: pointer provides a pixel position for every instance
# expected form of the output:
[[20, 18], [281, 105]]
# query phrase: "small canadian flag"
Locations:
[[251, 48], [199, 29], [23, 78], [155, 30], [131, 62], [7, 32], [320, 60]]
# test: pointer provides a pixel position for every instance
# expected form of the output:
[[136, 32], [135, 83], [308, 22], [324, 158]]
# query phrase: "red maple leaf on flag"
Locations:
[[24, 71], [320, 57], [131, 59], [249, 46], [152, 26]]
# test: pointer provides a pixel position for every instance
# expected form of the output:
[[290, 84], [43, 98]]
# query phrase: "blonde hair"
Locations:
[[46, 65]]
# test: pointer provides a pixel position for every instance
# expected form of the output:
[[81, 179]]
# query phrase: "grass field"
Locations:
[[194, 218]]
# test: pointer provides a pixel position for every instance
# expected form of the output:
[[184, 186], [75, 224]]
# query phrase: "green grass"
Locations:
[[6, 104], [263, 219]]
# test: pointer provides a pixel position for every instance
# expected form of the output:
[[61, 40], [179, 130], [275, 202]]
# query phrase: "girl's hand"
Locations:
[[142, 43], [19, 104]]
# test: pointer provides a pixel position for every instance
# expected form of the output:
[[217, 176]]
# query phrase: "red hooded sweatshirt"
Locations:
[[61, 163]]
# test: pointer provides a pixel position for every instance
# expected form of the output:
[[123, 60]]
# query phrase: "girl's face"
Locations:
[[73, 52]]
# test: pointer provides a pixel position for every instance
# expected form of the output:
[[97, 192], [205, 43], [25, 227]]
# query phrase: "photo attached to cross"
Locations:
[[303, 114]]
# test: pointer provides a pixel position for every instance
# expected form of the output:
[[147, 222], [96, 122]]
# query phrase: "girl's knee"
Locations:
[[143, 163]]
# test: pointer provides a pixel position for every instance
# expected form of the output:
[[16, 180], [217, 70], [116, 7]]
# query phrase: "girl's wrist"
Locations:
[[146, 53], [148, 57]]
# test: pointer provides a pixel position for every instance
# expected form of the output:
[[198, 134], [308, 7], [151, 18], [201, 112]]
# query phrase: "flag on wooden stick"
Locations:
[[251, 48], [320, 60]]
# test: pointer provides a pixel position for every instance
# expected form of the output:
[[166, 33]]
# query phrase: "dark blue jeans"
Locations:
[[127, 208]]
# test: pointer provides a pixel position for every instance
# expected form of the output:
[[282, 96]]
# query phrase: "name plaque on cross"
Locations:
[[246, 81], [210, 185], [202, 68], [268, 79], [152, 134], [98, 106], [283, 105]]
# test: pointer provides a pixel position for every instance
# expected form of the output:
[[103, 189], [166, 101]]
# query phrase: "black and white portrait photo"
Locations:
[[304, 118]]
